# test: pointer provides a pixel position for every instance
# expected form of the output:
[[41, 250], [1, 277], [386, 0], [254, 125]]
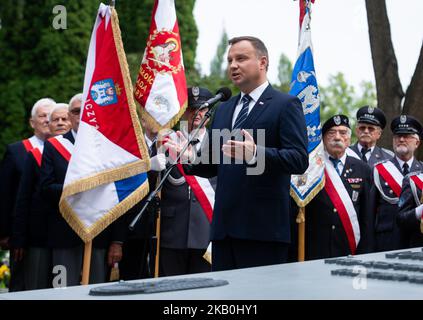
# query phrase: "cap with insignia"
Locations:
[[338, 120], [370, 115], [197, 96], [405, 124]]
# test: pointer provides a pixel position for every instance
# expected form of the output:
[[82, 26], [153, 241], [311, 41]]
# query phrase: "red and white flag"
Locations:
[[106, 175], [161, 87]]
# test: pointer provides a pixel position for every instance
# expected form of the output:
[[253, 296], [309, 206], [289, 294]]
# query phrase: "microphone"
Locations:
[[223, 94]]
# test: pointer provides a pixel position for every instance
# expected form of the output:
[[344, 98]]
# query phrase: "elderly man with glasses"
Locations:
[[388, 177], [370, 124]]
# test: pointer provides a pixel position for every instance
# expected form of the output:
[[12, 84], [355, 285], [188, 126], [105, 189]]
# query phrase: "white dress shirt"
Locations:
[[255, 95], [368, 154]]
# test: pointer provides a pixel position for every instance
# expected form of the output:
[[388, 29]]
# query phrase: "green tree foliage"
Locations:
[[38, 60], [339, 97], [217, 64], [284, 73]]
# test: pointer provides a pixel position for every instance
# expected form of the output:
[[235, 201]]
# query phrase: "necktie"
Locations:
[[364, 150], [335, 164], [405, 169], [243, 114], [152, 150]]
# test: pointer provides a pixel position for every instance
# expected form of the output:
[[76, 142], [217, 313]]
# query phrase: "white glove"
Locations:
[[158, 162]]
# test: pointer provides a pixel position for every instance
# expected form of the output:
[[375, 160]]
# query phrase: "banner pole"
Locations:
[[301, 234], [87, 263]]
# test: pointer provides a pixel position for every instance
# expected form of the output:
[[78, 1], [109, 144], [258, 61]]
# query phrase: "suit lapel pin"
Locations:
[[261, 103]]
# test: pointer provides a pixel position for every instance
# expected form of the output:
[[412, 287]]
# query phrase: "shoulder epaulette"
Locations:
[[391, 153]]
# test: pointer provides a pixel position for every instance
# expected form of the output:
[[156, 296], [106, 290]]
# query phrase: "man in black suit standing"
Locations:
[[250, 225], [29, 231], [370, 124], [67, 248], [10, 174]]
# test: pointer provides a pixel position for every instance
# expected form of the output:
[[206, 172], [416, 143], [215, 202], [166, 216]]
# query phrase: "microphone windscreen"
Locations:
[[226, 93]]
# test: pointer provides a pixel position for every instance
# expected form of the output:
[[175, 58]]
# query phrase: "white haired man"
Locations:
[[388, 178], [29, 231], [10, 174]]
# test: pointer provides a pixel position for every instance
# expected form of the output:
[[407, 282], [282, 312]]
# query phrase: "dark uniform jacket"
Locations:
[[10, 175], [388, 235], [60, 234], [184, 224], [325, 235], [410, 226], [30, 217], [377, 155], [145, 227]]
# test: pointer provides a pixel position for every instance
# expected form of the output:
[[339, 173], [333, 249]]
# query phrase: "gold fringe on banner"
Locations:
[[88, 233], [106, 176], [128, 84], [302, 203], [152, 123]]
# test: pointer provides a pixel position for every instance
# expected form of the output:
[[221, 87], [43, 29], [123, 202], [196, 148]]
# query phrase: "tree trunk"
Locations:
[[388, 85], [413, 104]]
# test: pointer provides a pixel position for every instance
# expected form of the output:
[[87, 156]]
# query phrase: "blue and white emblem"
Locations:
[[103, 92]]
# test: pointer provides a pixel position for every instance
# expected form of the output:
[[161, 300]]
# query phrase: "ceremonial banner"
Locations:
[[161, 86], [107, 169], [304, 85]]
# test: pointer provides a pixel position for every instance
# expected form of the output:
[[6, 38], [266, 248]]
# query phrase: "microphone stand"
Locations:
[[153, 194]]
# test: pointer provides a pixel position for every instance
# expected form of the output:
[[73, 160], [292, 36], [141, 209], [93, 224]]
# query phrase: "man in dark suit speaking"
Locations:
[[250, 225]]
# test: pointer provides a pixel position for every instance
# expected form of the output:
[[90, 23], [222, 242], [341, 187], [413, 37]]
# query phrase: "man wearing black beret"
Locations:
[[370, 124], [339, 219]]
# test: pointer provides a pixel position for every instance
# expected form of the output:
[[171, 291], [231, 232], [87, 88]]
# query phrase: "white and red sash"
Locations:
[[201, 187], [416, 183], [393, 177], [63, 146], [38, 155], [203, 191], [27, 145], [341, 200], [31, 143]]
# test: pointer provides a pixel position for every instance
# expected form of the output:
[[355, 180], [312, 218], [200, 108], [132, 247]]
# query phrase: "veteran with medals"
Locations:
[[339, 218]]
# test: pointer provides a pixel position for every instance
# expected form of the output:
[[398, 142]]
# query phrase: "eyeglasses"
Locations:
[[368, 128], [75, 111], [332, 133], [405, 136]]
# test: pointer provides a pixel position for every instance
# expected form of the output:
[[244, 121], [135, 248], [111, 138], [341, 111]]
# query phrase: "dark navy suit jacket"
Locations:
[[10, 175], [30, 217], [256, 207]]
